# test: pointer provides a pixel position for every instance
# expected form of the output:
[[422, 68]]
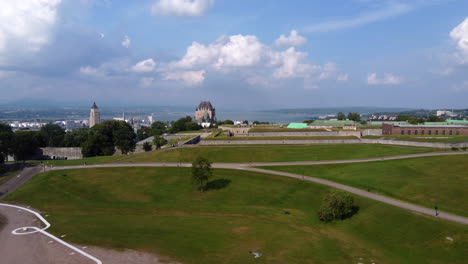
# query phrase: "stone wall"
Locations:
[[334, 141], [306, 134], [371, 132], [60, 153]]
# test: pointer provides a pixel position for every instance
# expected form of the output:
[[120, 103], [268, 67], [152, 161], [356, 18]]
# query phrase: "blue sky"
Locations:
[[247, 54]]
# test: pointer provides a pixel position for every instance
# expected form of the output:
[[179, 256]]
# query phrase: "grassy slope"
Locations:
[[158, 210], [278, 153], [427, 181]]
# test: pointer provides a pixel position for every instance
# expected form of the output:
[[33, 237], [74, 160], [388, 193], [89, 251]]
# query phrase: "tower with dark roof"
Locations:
[[205, 113], [94, 116]]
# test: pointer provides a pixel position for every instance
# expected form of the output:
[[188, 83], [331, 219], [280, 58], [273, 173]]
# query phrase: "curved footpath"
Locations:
[[249, 167]]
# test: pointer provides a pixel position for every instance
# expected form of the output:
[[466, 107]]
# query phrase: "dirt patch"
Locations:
[[240, 230]]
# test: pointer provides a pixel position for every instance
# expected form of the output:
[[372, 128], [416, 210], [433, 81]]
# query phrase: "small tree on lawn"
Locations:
[[158, 141], [201, 172], [337, 206]]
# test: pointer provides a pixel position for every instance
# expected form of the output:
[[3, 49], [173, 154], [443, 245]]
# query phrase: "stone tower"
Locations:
[[94, 116], [205, 112]]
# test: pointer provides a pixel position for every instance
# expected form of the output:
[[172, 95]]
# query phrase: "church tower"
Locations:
[[94, 116]]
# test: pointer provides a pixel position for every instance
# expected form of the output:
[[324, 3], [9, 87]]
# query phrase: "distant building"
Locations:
[[445, 113], [435, 130], [94, 116], [205, 114]]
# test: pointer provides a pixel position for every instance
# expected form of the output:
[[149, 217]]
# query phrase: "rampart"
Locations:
[[60, 153]]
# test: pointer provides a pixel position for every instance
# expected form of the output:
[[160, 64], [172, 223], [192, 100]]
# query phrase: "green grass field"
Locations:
[[158, 210], [278, 153], [428, 181], [423, 138]]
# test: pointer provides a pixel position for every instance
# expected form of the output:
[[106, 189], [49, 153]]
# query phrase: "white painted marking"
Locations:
[[50, 242], [72, 253], [47, 225], [63, 235]]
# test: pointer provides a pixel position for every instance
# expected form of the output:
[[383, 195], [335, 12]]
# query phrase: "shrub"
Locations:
[[454, 148], [147, 146], [337, 206]]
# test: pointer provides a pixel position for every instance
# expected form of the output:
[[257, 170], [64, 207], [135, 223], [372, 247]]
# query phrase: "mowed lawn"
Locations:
[[89, 161], [158, 210], [278, 153], [429, 181]]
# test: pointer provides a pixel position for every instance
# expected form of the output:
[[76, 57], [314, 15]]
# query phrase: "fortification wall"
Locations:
[[60, 153], [305, 134], [371, 132]]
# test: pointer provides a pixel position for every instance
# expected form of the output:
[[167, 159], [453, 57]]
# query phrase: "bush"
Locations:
[[147, 146], [201, 172], [337, 206], [455, 149]]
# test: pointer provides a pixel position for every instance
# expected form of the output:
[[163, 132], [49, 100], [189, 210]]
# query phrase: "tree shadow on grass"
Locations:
[[217, 184]]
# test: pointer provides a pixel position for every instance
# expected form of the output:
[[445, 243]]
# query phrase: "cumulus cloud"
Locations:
[[181, 7], [342, 77], [227, 51], [144, 66], [460, 35], [387, 79], [126, 42], [26, 25], [294, 39], [190, 78], [290, 64]]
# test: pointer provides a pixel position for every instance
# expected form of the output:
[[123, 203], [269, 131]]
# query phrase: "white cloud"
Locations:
[[388, 79], [144, 66], [294, 39], [6, 74], [290, 64], [26, 25], [190, 78], [181, 7], [227, 51], [342, 77], [126, 42], [460, 35], [88, 70], [147, 81], [391, 10]]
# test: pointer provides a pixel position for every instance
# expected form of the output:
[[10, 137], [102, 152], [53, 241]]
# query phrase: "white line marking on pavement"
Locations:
[[19, 231]]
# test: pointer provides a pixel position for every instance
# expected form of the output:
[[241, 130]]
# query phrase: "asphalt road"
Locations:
[[18, 179]]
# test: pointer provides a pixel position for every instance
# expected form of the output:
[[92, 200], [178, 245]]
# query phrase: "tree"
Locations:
[[146, 146], [337, 206], [341, 116], [434, 118], [158, 128], [159, 141], [107, 136], [245, 122], [354, 117], [25, 144], [6, 141], [77, 137], [142, 133], [52, 135], [184, 124], [201, 172], [226, 122], [308, 121]]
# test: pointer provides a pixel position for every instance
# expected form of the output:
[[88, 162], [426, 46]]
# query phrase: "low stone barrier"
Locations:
[[334, 141], [60, 153]]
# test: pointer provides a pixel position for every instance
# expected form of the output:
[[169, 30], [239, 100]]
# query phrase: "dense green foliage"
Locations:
[[52, 135], [105, 137], [225, 122], [158, 210], [341, 116], [184, 124], [201, 172], [76, 138], [147, 146], [337, 206], [159, 141], [6, 141], [279, 153], [25, 144], [427, 181], [354, 117], [156, 128]]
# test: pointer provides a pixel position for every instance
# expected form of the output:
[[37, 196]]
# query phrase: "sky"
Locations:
[[240, 54]]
